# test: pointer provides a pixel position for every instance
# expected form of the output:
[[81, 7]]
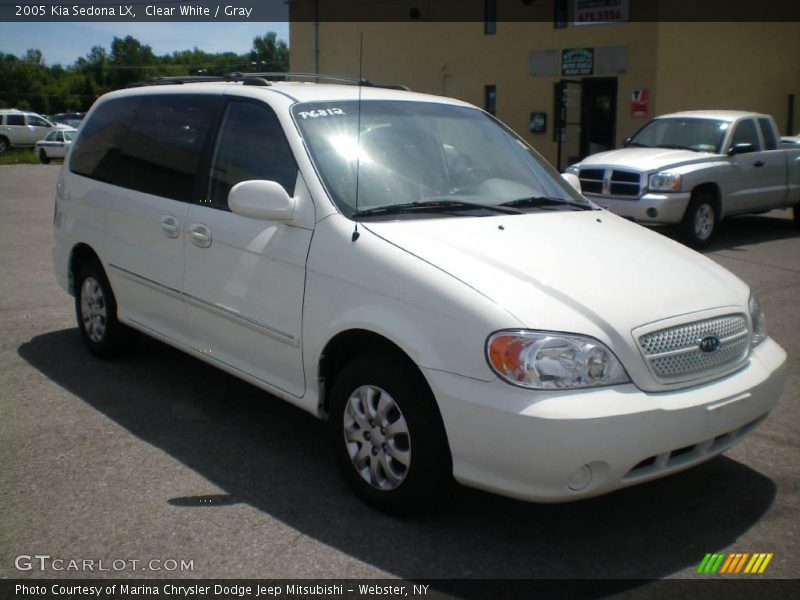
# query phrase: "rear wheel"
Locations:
[[4, 145], [43, 158], [700, 220], [797, 215], [388, 436], [96, 311]]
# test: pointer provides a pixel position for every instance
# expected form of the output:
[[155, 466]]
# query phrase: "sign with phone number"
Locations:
[[588, 12]]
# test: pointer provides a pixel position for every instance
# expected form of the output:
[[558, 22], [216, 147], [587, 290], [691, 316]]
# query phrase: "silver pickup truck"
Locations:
[[695, 168]]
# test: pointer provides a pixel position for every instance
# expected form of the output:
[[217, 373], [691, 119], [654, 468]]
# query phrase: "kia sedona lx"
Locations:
[[407, 268]]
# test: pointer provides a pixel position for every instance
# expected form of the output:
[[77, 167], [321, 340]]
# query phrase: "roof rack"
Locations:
[[262, 78]]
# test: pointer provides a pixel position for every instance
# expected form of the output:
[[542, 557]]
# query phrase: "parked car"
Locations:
[[20, 128], [55, 145], [72, 119], [694, 169], [409, 269], [792, 141]]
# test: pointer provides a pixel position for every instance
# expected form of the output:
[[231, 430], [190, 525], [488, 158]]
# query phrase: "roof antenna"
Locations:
[[356, 234]]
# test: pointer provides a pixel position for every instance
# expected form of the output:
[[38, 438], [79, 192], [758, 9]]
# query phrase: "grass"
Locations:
[[18, 156]]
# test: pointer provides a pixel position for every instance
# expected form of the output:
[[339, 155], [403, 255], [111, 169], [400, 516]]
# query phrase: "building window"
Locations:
[[560, 14], [490, 17], [490, 99]]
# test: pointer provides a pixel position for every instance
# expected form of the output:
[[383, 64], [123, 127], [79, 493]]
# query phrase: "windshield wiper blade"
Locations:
[[638, 145], [674, 147], [543, 201], [435, 205]]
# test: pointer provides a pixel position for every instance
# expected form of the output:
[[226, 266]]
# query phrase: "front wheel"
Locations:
[[96, 311], [700, 220], [388, 436], [43, 158], [796, 211]]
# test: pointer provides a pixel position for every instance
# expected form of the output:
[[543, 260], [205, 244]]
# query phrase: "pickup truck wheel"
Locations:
[[43, 158], [96, 311], [4, 145], [388, 437], [700, 220]]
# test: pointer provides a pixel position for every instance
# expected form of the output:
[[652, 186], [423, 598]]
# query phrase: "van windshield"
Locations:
[[421, 158]]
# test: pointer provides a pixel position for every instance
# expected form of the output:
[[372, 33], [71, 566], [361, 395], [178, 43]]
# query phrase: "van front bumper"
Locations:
[[667, 209], [561, 446]]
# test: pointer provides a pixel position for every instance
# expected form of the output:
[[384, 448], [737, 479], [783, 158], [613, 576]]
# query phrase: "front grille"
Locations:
[[610, 182], [674, 353]]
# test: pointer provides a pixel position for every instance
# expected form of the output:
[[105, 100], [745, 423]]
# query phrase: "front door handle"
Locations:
[[170, 226], [200, 235], [758, 163]]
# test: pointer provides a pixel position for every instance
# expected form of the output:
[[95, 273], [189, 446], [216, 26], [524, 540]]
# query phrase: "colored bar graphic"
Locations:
[[734, 563]]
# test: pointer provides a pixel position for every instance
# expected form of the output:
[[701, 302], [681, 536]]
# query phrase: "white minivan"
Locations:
[[409, 269]]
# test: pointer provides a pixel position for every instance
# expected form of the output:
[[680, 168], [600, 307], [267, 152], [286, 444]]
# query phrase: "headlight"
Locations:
[[574, 169], [552, 361], [757, 317], [665, 182]]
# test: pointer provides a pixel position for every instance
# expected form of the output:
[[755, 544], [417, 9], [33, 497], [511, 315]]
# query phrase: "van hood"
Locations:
[[587, 272], [646, 159]]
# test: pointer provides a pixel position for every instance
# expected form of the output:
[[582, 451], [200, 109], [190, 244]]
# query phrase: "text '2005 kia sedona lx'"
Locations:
[[408, 268]]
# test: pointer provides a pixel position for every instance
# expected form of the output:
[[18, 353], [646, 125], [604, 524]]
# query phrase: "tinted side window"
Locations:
[[15, 119], [746, 134], [770, 141], [96, 151], [37, 121], [250, 145], [164, 145]]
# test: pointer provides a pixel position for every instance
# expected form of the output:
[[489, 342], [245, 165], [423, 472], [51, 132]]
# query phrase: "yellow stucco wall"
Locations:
[[684, 65], [743, 66]]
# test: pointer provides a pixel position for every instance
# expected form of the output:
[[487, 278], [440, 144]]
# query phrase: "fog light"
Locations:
[[580, 478], [652, 212]]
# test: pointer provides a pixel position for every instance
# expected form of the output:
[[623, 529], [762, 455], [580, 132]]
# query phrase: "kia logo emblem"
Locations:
[[709, 344]]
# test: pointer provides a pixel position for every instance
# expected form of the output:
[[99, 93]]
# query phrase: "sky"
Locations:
[[65, 42]]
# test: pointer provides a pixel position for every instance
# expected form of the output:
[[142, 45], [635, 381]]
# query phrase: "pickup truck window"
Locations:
[[745, 133], [768, 133], [699, 135]]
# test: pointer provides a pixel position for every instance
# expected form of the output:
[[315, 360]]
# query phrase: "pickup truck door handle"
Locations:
[[170, 226], [200, 235], [758, 163]]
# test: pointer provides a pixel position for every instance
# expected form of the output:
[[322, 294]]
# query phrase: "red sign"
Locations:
[[640, 103]]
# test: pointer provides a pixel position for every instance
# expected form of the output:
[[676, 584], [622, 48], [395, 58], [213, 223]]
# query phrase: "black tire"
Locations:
[[700, 220], [796, 212], [4, 144], [96, 312], [427, 479], [43, 158]]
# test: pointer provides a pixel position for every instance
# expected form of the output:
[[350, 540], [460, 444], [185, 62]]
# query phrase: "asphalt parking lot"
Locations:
[[160, 456]]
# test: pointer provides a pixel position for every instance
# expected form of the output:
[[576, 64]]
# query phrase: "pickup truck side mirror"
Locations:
[[743, 148], [261, 199]]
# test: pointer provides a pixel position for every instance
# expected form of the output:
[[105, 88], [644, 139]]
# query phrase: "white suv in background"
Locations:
[[20, 128], [409, 269]]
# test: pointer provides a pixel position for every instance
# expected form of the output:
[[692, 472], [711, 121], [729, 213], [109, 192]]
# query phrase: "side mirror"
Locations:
[[743, 148], [572, 180], [260, 199]]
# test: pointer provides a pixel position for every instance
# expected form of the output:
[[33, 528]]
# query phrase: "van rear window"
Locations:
[[152, 144]]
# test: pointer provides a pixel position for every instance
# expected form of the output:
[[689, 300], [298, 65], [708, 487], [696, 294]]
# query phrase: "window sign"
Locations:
[[592, 12], [577, 61]]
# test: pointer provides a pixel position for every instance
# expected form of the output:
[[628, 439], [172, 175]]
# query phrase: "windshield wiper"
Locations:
[[674, 146], [543, 201], [440, 205], [637, 144]]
